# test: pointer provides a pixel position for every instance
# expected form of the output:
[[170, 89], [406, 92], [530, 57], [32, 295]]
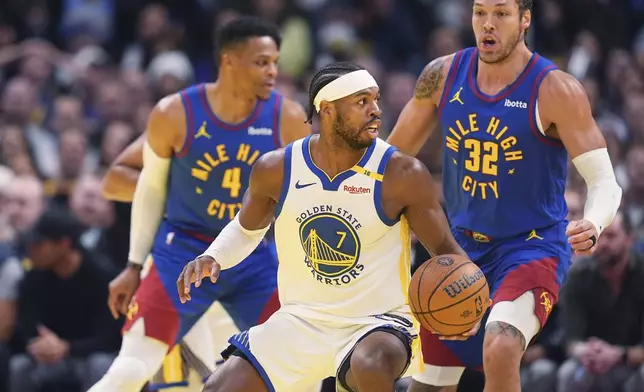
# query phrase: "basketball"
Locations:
[[448, 294]]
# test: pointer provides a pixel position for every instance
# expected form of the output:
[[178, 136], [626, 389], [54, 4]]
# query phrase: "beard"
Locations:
[[350, 135], [505, 51], [608, 261]]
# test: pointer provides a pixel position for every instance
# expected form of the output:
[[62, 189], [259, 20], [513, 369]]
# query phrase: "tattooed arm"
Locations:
[[418, 119]]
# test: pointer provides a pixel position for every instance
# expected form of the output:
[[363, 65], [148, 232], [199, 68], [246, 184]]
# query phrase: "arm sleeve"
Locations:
[[604, 194], [148, 204]]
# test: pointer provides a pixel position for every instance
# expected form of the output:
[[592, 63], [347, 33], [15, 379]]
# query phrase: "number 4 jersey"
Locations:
[[502, 175], [209, 176]]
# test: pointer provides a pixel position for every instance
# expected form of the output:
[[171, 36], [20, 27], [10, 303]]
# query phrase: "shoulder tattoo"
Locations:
[[430, 80]]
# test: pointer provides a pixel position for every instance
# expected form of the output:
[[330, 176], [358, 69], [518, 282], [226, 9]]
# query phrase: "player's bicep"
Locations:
[[565, 104], [419, 117], [260, 199], [424, 213], [123, 174]]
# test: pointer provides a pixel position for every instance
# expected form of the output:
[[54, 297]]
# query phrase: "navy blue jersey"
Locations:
[[209, 176], [502, 175]]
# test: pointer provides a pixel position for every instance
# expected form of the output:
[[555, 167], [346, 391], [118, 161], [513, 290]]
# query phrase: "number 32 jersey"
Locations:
[[209, 176], [502, 176]]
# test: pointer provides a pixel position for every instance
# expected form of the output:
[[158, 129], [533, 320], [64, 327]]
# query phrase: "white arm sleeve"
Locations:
[[148, 204], [604, 194], [234, 243]]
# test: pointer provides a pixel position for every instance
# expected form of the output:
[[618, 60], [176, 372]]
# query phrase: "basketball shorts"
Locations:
[[525, 271], [294, 353], [248, 291]]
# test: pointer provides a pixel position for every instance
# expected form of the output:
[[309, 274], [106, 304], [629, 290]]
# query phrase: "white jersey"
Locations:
[[339, 255]]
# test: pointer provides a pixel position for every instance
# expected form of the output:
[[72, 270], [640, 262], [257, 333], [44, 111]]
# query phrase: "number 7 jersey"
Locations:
[[502, 176], [209, 176]]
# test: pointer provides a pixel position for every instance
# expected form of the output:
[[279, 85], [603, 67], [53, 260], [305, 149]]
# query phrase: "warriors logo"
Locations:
[[332, 248]]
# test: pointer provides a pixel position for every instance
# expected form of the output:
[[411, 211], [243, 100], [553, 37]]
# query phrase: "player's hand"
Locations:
[[194, 272], [469, 333], [463, 336], [122, 289], [582, 236]]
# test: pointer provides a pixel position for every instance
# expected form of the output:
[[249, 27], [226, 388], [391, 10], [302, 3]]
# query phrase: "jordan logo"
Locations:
[[457, 97], [202, 132], [533, 234]]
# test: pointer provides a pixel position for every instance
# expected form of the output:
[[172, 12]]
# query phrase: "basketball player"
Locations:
[[198, 152], [343, 212], [509, 120]]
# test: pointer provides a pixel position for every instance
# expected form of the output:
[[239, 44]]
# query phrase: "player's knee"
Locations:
[[511, 325], [503, 343], [383, 356]]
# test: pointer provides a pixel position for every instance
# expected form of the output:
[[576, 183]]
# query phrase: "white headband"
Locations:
[[344, 86]]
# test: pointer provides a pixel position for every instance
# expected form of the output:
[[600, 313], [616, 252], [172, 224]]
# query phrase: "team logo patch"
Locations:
[[332, 248], [546, 302]]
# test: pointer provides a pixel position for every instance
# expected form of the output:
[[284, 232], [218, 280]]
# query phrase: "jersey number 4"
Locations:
[[484, 156], [232, 181]]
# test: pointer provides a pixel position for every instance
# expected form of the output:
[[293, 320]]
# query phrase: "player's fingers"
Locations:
[[125, 305], [111, 303], [574, 228], [214, 272], [581, 237], [457, 337], [473, 331], [585, 252], [583, 246], [180, 285], [187, 278], [199, 270]]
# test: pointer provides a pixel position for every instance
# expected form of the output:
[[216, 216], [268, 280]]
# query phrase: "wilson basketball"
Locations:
[[448, 294]]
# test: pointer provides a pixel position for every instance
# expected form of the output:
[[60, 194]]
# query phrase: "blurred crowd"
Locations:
[[79, 77]]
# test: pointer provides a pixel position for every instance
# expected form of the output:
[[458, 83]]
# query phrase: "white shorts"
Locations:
[[293, 353]]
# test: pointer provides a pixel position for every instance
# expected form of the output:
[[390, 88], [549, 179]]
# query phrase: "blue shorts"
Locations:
[[537, 261], [248, 291]]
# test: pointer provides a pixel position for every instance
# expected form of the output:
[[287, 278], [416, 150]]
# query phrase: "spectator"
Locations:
[[10, 275], [602, 316], [68, 334]]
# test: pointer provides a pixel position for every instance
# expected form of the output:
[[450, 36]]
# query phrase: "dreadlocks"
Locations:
[[323, 77]]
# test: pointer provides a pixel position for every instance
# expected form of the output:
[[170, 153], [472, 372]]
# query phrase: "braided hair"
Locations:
[[325, 76]]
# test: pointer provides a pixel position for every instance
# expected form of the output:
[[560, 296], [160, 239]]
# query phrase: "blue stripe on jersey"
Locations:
[[501, 175], [209, 176], [332, 184], [377, 191], [286, 182]]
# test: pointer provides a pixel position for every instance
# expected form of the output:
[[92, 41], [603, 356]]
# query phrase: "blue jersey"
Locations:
[[502, 175], [209, 176]]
